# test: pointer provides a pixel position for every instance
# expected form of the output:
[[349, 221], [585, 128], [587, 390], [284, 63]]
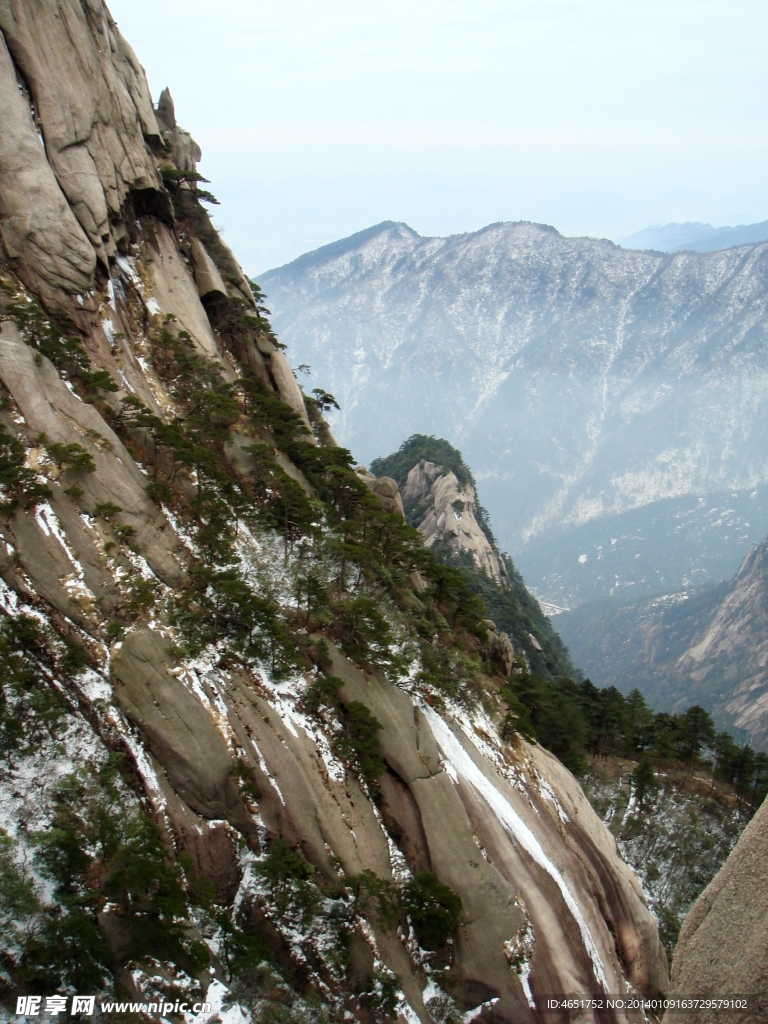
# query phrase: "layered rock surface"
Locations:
[[222, 749], [450, 516]]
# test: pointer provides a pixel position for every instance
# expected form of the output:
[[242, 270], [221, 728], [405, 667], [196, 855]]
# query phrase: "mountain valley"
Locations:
[[598, 393], [288, 740], [705, 645]]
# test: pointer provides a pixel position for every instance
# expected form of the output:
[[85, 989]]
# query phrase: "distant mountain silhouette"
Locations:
[[694, 236]]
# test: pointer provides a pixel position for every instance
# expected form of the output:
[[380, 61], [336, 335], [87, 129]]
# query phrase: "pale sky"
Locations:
[[597, 116]]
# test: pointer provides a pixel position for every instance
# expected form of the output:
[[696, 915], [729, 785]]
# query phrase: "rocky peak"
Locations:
[[449, 516], [385, 489]]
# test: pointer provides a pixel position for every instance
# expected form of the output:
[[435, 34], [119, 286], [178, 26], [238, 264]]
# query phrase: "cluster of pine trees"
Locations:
[[576, 719]]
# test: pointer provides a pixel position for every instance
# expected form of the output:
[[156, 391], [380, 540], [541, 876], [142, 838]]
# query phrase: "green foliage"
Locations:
[[190, 379], [56, 338], [517, 612], [575, 718], [380, 896], [18, 898], [324, 400], [433, 908], [174, 178], [416, 448], [359, 741], [644, 781], [247, 781], [290, 877], [72, 456], [220, 605], [98, 849], [323, 693], [20, 486], [382, 994], [552, 713], [283, 864], [31, 708], [363, 632]]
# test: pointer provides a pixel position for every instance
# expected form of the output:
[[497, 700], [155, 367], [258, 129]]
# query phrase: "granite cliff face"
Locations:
[[449, 516], [608, 400], [723, 946], [241, 755]]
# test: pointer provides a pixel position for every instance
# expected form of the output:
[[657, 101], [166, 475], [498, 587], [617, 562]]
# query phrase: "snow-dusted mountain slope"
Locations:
[[706, 646], [254, 749], [581, 381]]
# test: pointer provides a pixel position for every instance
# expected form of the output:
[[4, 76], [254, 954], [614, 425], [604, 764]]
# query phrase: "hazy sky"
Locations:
[[318, 119]]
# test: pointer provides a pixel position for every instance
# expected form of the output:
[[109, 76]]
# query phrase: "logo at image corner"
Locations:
[[52, 1006]]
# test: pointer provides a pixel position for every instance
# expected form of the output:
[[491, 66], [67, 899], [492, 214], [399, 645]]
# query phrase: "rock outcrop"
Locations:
[[450, 516], [88, 97], [723, 946], [385, 489], [224, 660], [502, 649]]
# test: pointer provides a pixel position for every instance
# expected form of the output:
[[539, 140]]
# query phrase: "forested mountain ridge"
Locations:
[[706, 645], [254, 746], [441, 501], [608, 400]]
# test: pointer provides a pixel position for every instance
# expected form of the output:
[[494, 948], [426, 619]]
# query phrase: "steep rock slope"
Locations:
[[704, 646], [440, 499], [241, 756], [723, 948], [449, 516], [676, 837], [583, 382], [729, 657]]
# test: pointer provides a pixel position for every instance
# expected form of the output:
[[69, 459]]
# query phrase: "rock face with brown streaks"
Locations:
[[88, 97], [221, 748], [450, 516], [723, 945]]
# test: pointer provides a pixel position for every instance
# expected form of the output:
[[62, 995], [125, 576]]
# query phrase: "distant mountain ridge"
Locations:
[[583, 382], [706, 645], [694, 236]]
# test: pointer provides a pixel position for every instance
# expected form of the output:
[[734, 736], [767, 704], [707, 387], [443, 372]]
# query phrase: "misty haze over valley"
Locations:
[[613, 403]]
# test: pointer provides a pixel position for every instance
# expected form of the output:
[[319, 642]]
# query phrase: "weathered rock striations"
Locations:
[[91, 104], [38, 226], [450, 516], [116, 472]]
